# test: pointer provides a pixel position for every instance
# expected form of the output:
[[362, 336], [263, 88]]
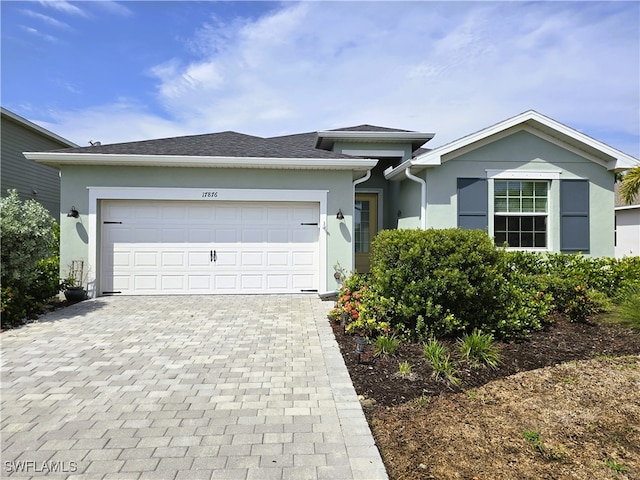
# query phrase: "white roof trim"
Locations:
[[61, 158], [596, 151], [627, 207], [23, 121]]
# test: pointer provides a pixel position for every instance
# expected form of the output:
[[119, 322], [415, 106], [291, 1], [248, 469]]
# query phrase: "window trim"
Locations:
[[523, 177]]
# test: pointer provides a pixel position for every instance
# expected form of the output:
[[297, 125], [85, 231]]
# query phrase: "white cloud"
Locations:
[[52, 22], [39, 34], [450, 68], [64, 6], [115, 8]]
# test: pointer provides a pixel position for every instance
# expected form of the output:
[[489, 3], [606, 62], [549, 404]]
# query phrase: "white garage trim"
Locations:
[[97, 194]]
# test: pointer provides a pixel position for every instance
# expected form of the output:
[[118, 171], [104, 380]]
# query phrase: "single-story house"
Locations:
[[30, 179], [627, 221], [234, 213]]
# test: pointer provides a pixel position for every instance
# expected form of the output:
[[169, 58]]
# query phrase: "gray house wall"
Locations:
[[30, 179], [524, 152]]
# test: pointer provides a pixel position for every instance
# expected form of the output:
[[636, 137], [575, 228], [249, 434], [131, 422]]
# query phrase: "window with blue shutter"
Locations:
[[574, 216], [472, 203]]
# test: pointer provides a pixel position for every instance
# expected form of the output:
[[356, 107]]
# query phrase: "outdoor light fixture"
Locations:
[[339, 215], [73, 212], [361, 343], [343, 322]]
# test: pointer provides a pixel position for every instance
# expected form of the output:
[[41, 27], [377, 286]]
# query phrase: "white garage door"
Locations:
[[175, 247]]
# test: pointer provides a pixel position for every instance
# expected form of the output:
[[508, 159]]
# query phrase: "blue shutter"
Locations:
[[574, 216], [472, 203]]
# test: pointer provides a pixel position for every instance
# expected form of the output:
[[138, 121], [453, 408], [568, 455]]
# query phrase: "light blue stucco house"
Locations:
[[234, 213]]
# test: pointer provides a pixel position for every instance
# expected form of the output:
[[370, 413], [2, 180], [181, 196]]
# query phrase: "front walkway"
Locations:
[[186, 387]]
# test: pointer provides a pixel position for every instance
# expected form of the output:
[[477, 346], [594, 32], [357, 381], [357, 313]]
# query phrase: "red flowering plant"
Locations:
[[360, 309], [349, 299]]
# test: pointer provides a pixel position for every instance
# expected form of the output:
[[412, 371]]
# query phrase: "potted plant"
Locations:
[[73, 284]]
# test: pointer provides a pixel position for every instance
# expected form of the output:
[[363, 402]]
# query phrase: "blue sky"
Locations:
[[133, 70]]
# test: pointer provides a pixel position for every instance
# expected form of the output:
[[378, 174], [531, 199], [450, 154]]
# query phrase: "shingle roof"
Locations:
[[223, 144], [369, 128]]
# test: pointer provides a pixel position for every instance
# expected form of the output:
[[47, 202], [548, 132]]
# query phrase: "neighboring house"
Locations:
[[30, 179], [627, 226], [234, 213]]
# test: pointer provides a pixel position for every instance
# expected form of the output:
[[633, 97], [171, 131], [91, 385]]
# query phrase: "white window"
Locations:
[[521, 211]]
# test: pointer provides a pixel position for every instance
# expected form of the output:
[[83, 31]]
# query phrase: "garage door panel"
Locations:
[[251, 282], [174, 213], [278, 215], [173, 283], [120, 259], [278, 235], [118, 234], [173, 235], [277, 281], [120, 283], [303, 259], [145, 259], [278, 259], [252, 235], [168, 247], [302, 281], [173, 259], [251, 214], [225, 235], [199, 259], [199, 235], [252, 259], [227, 283], [199, 283], [227, 215]]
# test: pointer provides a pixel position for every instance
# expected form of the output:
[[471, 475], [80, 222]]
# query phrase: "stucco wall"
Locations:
[[76, 179], [628, 232], [519, 151]]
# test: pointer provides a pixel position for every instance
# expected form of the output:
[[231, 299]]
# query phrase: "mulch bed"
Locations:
[[561, 341]]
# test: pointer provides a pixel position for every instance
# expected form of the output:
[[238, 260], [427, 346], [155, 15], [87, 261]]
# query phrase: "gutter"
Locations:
[[423, 197]]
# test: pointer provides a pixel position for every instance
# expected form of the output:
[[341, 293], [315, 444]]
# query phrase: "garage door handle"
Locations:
[[213, 255]]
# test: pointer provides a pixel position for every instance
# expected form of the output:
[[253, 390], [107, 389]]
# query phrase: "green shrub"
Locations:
[[447, 282], [28, 257], [479, 348]]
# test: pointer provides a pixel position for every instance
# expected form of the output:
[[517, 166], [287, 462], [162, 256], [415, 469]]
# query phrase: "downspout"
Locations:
[[353, 204], [423, 197]]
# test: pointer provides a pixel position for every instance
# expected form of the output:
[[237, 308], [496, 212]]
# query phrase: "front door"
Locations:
[[365, 228]]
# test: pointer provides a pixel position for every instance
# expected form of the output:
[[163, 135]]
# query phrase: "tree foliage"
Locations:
[[630, 185], [28, 256]]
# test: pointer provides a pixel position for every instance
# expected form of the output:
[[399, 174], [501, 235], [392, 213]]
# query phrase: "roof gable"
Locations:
[[537, 124], [534, 123]]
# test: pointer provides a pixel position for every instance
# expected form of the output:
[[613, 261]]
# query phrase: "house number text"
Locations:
[[209, 194]]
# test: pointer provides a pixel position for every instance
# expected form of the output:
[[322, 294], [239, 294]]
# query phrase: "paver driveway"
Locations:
[[186, 387]]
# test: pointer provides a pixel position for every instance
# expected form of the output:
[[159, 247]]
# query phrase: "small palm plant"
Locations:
[[436, 354], [479, 348], [385, 345]]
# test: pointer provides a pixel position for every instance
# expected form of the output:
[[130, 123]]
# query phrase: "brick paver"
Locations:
[[184, 387]]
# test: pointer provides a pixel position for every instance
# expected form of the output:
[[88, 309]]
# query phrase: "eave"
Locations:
[[326, 139], [60, 158]]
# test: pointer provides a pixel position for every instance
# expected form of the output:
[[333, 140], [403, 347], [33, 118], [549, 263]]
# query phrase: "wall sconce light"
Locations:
[[73, 212], [339, 215]]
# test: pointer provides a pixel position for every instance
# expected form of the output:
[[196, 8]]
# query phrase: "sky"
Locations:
[[133, 70]]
